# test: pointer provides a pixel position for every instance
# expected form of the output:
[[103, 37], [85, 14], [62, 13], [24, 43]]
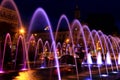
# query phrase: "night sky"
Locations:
[[88, 8]]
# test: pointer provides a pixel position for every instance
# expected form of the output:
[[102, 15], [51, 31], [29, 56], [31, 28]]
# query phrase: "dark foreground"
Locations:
[[51, 74]]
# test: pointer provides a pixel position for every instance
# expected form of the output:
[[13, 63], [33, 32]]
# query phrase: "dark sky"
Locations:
[[55, 8]]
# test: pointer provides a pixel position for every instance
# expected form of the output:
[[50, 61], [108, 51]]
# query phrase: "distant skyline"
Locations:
[[55, 8]]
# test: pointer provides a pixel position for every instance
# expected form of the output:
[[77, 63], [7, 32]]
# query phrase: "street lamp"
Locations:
[[67, 40], [22, 31]]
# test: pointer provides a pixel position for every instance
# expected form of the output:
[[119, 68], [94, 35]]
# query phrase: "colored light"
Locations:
[[21, 31], [104, 75]]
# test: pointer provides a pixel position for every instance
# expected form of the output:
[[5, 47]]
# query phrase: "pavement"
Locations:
[[113, 74]]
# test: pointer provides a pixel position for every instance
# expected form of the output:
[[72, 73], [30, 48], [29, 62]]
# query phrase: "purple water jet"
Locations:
[[6, 51], [40, 13], [21, 55], [39, 49], [76, 22], [99, 46]]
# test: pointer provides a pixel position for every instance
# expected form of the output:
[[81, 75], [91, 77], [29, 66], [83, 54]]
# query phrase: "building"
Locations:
[[8, 21]]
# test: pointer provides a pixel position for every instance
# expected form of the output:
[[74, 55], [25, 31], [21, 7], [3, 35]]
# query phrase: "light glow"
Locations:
[[104, 75], [22, 31]]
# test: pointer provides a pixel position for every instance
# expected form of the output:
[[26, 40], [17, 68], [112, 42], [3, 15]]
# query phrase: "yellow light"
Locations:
[[25, 76], [22, 31], [67, 40], [99, 48], [35, 34]]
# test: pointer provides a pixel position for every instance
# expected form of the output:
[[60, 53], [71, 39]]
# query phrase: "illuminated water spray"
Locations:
[[99, 59]]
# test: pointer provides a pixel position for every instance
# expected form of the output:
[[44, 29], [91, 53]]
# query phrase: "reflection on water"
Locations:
[[27, 75], [38, 74], [33, 75]]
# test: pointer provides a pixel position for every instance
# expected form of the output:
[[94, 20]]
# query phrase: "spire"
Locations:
[[77, 10]]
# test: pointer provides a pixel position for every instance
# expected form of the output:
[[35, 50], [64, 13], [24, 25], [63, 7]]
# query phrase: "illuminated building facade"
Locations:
[[8, 21]]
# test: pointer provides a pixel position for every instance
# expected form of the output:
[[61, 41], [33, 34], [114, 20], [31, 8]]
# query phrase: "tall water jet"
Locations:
[[112, 50], [81, 32], [21, 55], [40, 13], [99, 61], [39, 49], [7, 51], [69, 40], [64, 19], [31, 50], [10, 5], [99, 46]]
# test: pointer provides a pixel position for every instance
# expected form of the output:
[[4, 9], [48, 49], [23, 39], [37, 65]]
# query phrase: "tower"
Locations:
[[77, 11]]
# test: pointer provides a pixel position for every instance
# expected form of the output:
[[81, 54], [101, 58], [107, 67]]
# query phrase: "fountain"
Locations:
[[48, 53]]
